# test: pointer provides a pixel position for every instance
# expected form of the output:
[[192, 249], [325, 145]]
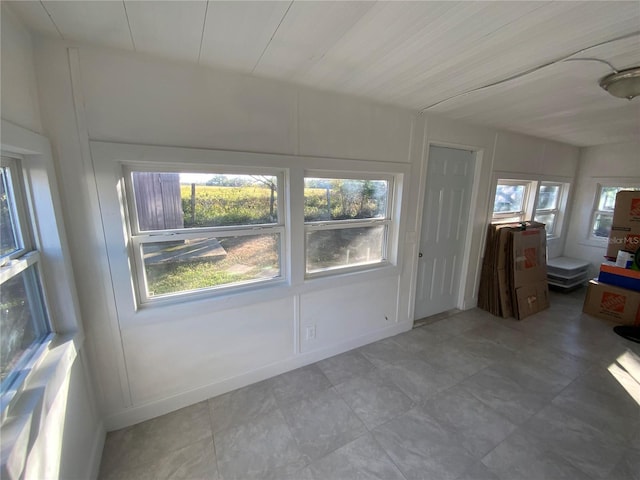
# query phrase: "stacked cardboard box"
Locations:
[[513, 280], [625, 229], [615, 295]]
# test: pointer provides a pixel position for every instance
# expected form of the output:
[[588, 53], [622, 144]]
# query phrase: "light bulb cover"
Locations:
[[623, 84]]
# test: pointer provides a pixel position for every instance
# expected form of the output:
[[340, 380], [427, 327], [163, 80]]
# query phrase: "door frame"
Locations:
[[477, 158]]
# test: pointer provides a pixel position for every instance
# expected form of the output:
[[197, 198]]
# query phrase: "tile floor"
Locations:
[[471, 396]]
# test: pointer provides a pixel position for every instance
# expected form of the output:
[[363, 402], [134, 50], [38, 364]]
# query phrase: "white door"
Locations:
[[444, 227]]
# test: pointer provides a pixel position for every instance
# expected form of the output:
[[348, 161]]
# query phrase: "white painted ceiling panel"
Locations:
[[36, 17], [237, 33], [172, 29], [307, 32], [99, 22], [409, 54]]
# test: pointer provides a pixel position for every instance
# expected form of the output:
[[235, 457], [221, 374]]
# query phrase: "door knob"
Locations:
[[420, 255]]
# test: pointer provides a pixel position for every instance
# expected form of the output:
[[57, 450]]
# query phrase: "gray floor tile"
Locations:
[[522, 458], [345, 366], [628, 468], [417, 340], [422, 448], [569, 365], [299, 384], [193, 461], [499, 335], [452, 356], [362, 459], [259, 450], [374, 399], [478, 471], [615, 417], [322, 423], [576, 442], [480, 351], [532, 376], [241, 405], [479, 427], [154, 439], [505, 395], [418, 379], [385, 352], [460, 323]]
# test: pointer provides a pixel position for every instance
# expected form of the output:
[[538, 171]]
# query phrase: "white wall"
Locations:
[[66, 432], [618, 164], [145, 368], [19, 89]]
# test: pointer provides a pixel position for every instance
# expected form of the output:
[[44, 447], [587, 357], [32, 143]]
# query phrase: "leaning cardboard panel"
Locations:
[[617, 304], [625, 229], [532, 299], [529, 256]]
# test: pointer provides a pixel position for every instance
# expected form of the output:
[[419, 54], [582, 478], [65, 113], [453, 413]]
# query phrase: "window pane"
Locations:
[[344, 247], [549, 219], [548, 197], [344, 199], [608, 198], [509, 198], [9, 229], [194, 264], [602, 224], [23, 320], [189, 200]]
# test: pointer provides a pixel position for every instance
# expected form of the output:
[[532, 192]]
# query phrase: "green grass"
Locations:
[[248, 258]]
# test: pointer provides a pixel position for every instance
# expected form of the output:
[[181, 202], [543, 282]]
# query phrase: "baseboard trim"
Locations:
[[149, 410]]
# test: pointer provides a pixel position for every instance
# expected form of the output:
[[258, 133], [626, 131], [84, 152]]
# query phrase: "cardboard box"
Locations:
[[625, 229], [532, 299], [529, 256], [613, 303], [612, 274]]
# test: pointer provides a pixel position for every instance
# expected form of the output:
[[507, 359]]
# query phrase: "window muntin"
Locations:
[[23, 315], [602, 216], [194, 231], [347, 222]]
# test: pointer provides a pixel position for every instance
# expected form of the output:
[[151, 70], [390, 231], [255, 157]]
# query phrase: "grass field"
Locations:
[[248, 258]]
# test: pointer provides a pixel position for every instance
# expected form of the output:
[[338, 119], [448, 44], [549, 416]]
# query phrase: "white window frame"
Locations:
[[324, 225], [532, 193], [557, 211], [138, 238], [621, 185], [48, 372], [25, 257], [528, 201]]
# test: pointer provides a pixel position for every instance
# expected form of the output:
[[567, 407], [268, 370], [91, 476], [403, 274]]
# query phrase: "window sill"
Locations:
[[27, 412]]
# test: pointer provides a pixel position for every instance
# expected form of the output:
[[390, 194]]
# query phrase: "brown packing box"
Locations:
[[625, 229], [617, 304], [532, 299], [529, 256]]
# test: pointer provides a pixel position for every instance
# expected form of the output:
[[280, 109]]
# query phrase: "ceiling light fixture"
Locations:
[[623, 84]]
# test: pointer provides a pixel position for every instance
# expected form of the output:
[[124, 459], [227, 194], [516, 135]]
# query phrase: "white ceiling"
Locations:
[[411, 54]]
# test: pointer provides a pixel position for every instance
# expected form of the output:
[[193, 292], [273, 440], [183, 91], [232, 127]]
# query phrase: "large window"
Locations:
[[347, 222], [193, 231], [23, 316], [522, 200], [604, 204]]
